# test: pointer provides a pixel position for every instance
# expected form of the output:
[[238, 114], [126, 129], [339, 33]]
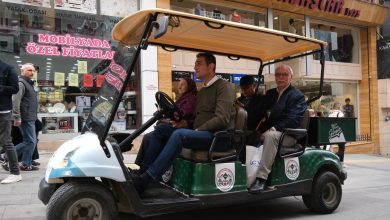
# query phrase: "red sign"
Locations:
[[331, 6], [99, 80], [88, 80]]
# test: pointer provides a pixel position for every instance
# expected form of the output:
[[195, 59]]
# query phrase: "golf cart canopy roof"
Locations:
[[193, 32]]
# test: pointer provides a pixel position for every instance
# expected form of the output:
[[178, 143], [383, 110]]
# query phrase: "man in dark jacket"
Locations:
[[250, 100], [8, 86], [25, 107], [286, 106]]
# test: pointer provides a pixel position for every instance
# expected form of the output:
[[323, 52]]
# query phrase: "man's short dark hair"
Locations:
[[70, 94], [210, 58], [347, 100], [246, 80]]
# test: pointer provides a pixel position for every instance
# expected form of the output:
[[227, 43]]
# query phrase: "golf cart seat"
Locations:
[[235, 137], [288, 148]]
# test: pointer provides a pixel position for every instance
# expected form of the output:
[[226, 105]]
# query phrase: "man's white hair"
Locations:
[[25, 65], [286, 67]]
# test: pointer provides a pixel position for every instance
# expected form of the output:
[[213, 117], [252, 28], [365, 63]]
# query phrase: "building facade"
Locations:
[[349, 27], [70, 42], [383, 54]]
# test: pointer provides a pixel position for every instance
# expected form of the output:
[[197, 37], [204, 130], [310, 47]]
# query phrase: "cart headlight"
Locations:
[[60, 164]]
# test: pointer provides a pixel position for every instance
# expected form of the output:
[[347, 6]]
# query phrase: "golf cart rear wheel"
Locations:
[[325, 195], [86, 200]]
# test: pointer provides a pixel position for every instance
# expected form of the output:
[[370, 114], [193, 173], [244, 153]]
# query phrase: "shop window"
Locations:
[[213, 10], [343, 43], [288, 22], [385, 29], [70, 45], [332, 92]]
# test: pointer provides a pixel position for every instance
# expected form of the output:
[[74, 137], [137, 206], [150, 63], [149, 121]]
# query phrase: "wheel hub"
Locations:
[[85, 209], [329, 194]]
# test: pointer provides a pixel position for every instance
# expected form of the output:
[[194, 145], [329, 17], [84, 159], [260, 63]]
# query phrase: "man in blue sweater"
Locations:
[[286, 106], [8, 87]]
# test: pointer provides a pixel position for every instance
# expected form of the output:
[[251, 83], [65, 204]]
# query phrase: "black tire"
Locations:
[[87, 199], [325, 195]]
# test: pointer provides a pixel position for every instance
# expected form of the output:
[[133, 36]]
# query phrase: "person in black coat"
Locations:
[[250, 100], [8, 87]]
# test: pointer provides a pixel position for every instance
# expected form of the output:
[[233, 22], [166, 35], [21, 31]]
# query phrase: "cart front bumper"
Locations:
[[46, 190]]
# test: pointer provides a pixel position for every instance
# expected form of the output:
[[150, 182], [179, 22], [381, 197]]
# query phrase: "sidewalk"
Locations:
[[20, 201]]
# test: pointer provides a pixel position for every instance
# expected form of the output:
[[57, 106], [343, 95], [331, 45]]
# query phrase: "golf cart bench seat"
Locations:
[[300, 136], [236, 138]]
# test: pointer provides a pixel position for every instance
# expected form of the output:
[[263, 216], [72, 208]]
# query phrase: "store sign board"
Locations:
[[70, 46], [236, 77], [330, 6], [224, 76], [178, 75]]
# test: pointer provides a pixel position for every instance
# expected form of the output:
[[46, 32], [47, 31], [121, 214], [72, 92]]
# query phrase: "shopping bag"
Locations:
[[253, 159]]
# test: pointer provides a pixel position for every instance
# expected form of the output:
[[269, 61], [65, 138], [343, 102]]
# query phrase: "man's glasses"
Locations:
[[282, 74]]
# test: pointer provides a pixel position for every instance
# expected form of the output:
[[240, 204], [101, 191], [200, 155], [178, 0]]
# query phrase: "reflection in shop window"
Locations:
[[342, 42], [332, 92], [221, 12], [291, 23]]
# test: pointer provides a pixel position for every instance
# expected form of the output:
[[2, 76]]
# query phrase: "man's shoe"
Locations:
[[24, 167], [4, 164], [12, 179], [258, 186], [35, 163]]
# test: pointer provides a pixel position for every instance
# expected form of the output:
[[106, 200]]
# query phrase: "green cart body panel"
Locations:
[[331, 130], [207, 178], [304, 167]]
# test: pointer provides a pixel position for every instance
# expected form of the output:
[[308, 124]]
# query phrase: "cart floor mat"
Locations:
[[157, 192]]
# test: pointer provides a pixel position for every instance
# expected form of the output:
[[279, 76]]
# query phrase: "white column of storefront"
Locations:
[[309, 59], [149, 73]]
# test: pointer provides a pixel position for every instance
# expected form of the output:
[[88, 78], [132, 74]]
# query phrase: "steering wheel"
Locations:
[[168, 106]]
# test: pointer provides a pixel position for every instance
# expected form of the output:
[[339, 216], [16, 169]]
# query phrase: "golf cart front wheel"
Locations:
[[325, 195], [81, 200]]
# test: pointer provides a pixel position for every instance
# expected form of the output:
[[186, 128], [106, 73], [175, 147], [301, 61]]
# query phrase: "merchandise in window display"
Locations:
[[235, 16], [199, 10]]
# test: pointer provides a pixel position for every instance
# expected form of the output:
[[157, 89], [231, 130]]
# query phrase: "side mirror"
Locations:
[[161, 26]]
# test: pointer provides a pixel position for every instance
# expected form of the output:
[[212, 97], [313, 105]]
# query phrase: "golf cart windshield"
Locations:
[[174, 30], [116, 76]]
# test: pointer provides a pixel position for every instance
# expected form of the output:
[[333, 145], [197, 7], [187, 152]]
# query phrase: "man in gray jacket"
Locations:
[[8, 86], [25, 106]]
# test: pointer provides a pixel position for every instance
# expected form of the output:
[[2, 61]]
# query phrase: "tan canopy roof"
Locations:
[[190, 31]]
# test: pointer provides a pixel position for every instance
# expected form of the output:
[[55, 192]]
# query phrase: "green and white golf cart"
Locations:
[[87, 177]]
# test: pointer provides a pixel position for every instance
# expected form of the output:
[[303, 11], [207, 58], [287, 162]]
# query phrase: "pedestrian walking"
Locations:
[[8, 87], [25, 106]]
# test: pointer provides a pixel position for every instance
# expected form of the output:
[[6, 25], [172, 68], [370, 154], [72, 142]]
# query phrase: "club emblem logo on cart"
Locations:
[[224, 180], [292, 168]]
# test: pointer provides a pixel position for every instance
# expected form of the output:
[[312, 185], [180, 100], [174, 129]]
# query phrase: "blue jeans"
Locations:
[[26, 148], [159, 158]]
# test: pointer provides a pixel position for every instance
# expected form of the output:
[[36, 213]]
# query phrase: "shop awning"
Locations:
[[190, 31]]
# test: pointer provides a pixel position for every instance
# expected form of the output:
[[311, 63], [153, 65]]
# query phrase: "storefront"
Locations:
[[69, 42], [349, 27]]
